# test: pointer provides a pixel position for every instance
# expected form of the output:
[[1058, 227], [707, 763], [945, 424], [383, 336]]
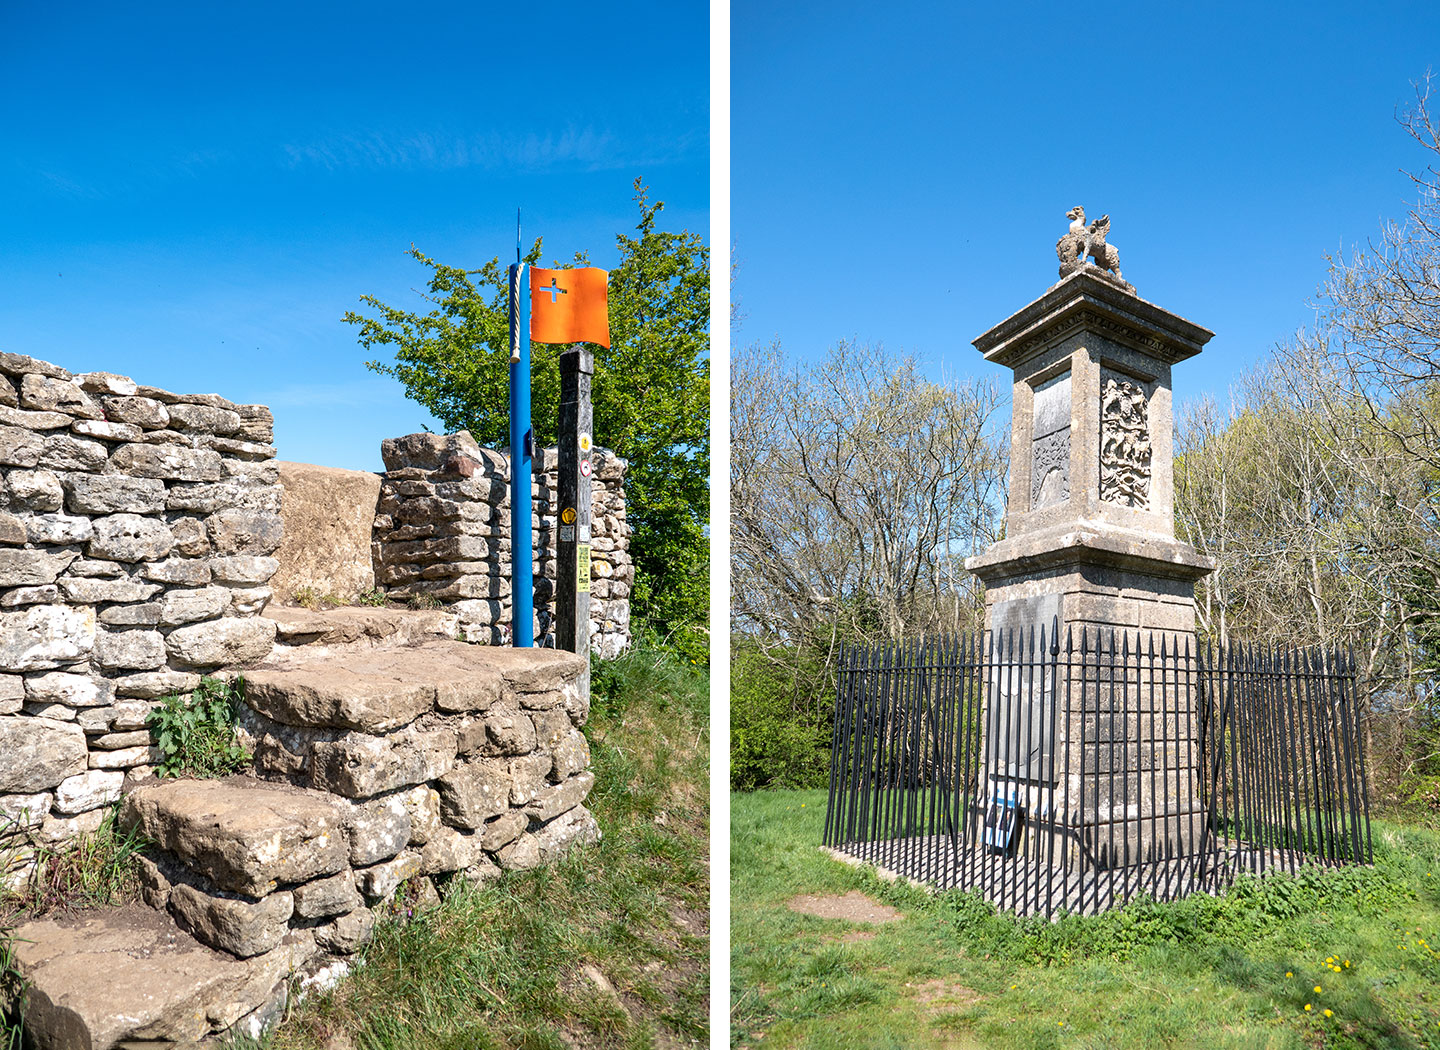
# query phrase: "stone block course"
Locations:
[[115, 499]]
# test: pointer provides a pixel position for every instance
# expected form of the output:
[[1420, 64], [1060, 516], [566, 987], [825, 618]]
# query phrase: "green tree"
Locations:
[[651, 392]]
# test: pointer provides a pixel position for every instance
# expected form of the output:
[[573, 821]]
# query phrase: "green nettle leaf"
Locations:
[[651, 390]]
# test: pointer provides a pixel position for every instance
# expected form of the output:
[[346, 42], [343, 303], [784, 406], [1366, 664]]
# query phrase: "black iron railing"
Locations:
[[1076, 772]]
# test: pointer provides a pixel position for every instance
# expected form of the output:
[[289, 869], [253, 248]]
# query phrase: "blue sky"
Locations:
[[193, 194], [900, 172]]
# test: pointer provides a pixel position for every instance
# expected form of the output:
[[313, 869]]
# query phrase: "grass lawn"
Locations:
[[1208, 972]]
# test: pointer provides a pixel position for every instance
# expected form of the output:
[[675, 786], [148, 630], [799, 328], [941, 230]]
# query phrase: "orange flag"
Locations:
[[569, 306]]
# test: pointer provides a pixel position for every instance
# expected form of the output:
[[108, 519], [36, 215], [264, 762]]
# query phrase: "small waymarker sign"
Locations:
[[567, 516], [585, 442], [582, 568], [584, 468], [567, 533]]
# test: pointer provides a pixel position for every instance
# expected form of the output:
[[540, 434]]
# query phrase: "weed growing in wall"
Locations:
[[196, 733]]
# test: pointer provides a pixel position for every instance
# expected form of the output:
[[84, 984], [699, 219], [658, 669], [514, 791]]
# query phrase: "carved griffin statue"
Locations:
[[1082, 241]]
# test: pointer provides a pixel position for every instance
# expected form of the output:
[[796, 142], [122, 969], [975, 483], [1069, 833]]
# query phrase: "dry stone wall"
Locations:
[[136, 534], [442, 532], [405, 766]]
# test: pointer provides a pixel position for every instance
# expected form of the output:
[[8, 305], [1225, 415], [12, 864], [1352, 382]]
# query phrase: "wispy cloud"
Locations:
[[586, 148]]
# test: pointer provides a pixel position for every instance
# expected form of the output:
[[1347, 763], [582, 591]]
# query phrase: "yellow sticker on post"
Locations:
[[582, 568]]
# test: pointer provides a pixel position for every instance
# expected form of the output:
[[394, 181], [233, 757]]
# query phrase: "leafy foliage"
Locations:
[[196, 733], [773, 741], [650, 389]]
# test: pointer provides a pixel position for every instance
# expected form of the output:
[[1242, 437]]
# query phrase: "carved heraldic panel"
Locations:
[[1124, 442]]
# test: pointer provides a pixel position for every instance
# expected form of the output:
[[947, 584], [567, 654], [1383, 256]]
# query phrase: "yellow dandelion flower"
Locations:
[[1014, 986], [1347, 964], [1289, 973], [1329, 1013], [1307, 1007]]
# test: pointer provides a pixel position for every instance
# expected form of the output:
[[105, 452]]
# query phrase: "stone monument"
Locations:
[[1089, 530]]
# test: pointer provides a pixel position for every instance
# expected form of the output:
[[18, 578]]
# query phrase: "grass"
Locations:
[[93, 870], [1235, 971], [514, 963]]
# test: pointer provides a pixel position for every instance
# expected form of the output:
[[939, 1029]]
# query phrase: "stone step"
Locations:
[[118, 977], [359, 627]]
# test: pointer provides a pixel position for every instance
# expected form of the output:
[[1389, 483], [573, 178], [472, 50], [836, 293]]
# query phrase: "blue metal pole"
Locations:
[[522, 451]]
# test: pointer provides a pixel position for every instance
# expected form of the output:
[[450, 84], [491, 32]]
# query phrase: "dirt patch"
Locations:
[[941, 994], [852, 907]]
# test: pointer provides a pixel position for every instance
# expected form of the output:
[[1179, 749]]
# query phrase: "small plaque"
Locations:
[[584, 468], [582, 568], [584, 533], [585, 443], [567, 533], [567, 516]]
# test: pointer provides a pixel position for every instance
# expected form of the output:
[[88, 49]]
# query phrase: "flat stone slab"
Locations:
[[360, 626], [244, 835], [379, 690], [100, 978]]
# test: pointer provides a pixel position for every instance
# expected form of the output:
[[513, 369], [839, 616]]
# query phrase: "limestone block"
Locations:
[[191, 538], [474, 792], [34, 489], [338, 697], [120, 741], [45, 394], [552, 725], [12, 530], [422, 802], [58, 529], [379, 829], [194, 572], [86, 791], [449, 850], [135, 650], [98, 568], [238, 530], [432, 451], [257, 423], [151, 684], [504, 829], [561, 798], [142, 411], [37, 753], [571, 755], [577, 827], [68, 452], [528, 775], [130, 714], [105, 383], [59, 712], [8, 396], [45, 636], [166, 461], [216, 643], [361, 766], [106, 430], [519, 855], [22, 812], [380, 882], [130, 538], [347, 934], [242, 927], [235, 449], [113, 494], [243, 569], [244, 835], [125, 758], [92, 592], [204, 419], [74, 690], [328, 515], [56, 830], [510, 731], [21, 568], [249, 601], [20, 447], [12, 688], [207, 499], [323, 898], [187, 606]]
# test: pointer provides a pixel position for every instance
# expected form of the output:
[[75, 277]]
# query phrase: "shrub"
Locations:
[[196, 733], [771, 744]]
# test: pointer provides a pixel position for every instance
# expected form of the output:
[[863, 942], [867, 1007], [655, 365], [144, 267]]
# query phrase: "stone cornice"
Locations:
[[1086, 301]]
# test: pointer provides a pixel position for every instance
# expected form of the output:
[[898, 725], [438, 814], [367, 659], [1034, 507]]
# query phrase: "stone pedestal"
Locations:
[[1090, 544]]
